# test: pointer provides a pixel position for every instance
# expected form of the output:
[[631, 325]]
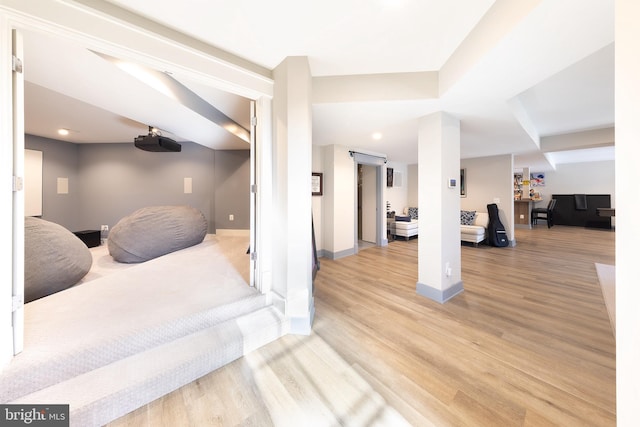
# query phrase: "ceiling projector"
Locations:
[[156, 143]]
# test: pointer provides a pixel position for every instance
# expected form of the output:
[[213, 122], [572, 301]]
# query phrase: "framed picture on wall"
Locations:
[[463, 183], [389, 177], [537, 179], [316, 184]]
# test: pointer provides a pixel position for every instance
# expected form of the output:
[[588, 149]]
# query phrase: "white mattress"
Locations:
[[127, 308]]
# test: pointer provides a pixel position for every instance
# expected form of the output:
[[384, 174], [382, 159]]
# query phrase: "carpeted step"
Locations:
[[111, 391], [33, 370], [57, 359], [126, 312]]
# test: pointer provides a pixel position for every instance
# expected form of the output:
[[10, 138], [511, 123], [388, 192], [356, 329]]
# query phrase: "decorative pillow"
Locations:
[[467, 217], [155, 231], [54, 258], [413, 213]]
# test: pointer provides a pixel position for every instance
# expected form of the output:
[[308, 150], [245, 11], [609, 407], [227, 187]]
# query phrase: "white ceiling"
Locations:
[[525, 74]]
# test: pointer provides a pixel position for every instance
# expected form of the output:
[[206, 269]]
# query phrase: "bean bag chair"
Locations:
[[55, 259], [155, 231]]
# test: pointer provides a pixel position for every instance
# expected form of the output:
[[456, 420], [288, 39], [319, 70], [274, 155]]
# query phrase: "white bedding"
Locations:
[[121, 309], [103, 264], [234, 248]]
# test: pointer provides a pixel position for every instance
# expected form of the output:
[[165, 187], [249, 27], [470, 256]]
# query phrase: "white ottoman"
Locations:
[[406, 229]]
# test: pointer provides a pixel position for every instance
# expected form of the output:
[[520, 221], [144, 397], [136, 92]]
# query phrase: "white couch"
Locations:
[[477, 232]]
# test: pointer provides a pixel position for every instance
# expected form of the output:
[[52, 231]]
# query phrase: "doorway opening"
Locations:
[[366, 206], [369, 225]]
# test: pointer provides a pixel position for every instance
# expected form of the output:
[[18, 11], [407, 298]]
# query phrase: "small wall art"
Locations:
[[463, 183], [316, 184], [537, 179]]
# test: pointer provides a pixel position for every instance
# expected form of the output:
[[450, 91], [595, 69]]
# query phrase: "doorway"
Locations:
[[15, 264], [366, 206], [369, 227]]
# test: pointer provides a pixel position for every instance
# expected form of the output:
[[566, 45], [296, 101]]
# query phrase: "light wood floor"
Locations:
[[528, 343]]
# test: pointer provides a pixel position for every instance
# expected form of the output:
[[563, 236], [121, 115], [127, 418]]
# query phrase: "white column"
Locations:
[[439, 271], [627, 96], [292, 278]]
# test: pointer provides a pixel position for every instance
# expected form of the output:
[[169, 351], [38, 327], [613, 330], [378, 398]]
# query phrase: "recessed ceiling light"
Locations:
[[63, 132], [376, 135]]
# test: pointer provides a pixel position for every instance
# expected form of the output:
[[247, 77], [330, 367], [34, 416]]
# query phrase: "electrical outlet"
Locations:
[[231, 218], [104, 228]]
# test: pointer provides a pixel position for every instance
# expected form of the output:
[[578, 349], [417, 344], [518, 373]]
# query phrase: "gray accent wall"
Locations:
[[59, 160], [232, 173], [109, 181], [117, 179]]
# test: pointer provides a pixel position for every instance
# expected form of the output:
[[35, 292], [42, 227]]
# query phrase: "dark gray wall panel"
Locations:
[[232, 176], [109, 181]]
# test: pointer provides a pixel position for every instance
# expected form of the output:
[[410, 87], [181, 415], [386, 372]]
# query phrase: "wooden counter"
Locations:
[[522, 212]]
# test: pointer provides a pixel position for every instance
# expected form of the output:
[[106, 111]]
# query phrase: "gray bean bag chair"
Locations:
[[155, 231], [54, 260]]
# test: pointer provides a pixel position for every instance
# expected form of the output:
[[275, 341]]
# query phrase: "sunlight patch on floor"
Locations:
[[607, 278], [319, 388]]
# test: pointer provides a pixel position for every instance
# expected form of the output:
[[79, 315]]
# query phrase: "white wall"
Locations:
[[334, 212], [580, 178], [317, 165], [627, 204], [292, 276], [338, 201], [412, 185], [336, 208], [483, 180], [397, 195], [490, 180], [485, 183]]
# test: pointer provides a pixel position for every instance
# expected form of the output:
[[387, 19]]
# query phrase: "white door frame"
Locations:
[[149, 45], [367, 186], [17, 316], [379, 162], [12, 196]]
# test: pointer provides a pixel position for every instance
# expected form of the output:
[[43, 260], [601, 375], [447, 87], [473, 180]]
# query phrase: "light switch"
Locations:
[[188, 186]]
